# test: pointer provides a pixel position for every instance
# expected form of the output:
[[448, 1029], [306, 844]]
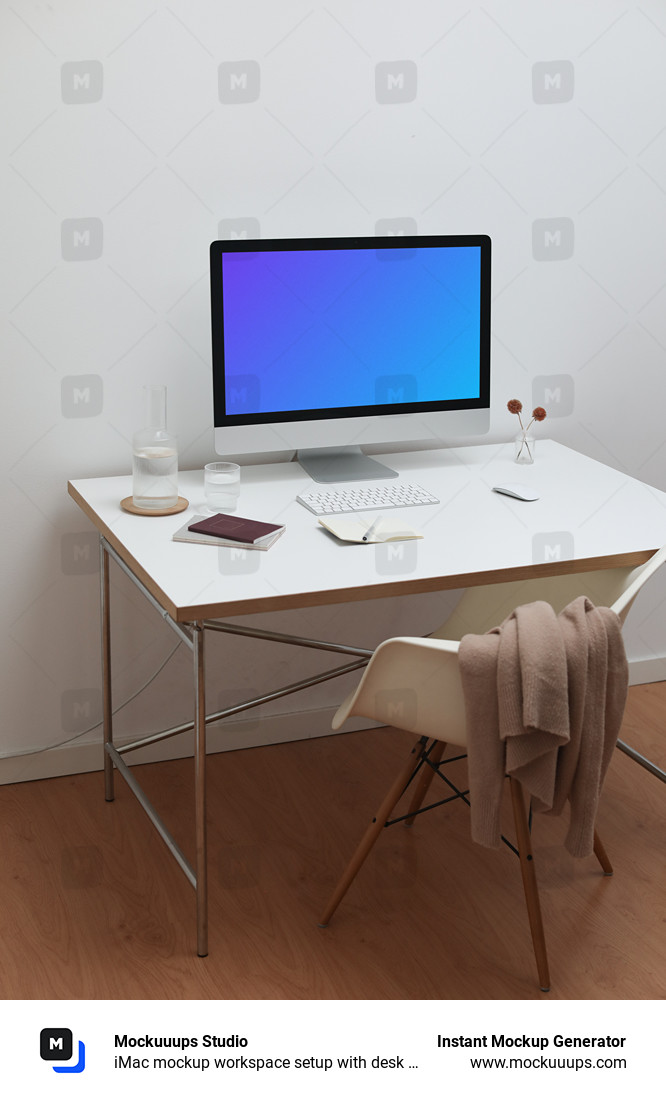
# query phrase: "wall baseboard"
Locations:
[[652, 670], [88, 756], [272, 730]]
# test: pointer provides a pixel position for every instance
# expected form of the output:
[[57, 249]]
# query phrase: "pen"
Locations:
[[372, 528]]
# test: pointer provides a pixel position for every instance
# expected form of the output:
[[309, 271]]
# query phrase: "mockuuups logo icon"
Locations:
[[393, 388], [396, 706], [552, 239], [550, 546], [80, 709], [395, 81], [79, 552], [239, 81], [395, 558], [81, 395], [81, 81], [556, 392], [552, 81], [56, 1045], [396, 227], [81, 238], [239, 229], [236, 561], [243, 393]]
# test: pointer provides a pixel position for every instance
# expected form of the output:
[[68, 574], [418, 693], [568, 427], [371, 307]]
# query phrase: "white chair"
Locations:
[[427, 671]]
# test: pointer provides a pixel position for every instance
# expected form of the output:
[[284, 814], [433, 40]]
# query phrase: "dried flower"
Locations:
[[538, 414]]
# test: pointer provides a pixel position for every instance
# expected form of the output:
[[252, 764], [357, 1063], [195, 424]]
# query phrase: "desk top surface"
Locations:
[[588, 516]]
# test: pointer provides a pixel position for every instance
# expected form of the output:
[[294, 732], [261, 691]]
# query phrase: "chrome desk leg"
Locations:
[[200, 788], [642, 760], [107, 713]]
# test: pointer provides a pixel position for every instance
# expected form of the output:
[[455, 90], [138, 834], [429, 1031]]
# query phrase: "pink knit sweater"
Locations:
[[544, 700]]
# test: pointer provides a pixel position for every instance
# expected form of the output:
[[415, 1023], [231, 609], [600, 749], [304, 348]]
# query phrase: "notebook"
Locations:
[[355, 528], [235, 528], [186, 534]]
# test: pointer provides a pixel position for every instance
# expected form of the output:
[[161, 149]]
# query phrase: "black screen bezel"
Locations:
[[218, 248]]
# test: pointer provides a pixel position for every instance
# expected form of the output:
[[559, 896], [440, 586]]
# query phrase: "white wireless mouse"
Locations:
[[520, 492]]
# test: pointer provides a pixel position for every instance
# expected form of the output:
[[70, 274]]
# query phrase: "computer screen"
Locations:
[[342, 342]]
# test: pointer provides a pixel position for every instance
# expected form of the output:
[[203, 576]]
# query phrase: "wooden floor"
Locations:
[[93, 906]]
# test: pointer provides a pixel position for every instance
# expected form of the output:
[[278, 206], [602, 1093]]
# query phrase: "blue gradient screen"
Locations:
[[348, 329]]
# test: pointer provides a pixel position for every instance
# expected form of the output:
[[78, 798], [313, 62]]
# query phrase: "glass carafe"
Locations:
[[154, 457]]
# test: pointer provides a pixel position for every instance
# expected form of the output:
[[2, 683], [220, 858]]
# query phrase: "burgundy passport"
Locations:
[[235, 528]]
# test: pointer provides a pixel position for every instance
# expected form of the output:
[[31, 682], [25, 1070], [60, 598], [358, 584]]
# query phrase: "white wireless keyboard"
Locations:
[[365, 498]]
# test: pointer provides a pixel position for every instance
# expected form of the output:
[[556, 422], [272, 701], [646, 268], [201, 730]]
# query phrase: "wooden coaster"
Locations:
[[128, 506]]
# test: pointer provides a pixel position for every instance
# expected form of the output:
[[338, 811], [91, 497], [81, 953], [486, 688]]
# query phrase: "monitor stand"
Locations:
[[332, 464]]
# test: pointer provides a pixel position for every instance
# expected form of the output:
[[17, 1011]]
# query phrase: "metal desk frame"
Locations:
[[193, 636]]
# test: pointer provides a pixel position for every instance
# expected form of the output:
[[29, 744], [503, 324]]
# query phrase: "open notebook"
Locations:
[[354, 528]]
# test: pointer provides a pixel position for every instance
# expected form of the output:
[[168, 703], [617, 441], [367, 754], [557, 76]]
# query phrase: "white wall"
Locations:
[[137, 132]]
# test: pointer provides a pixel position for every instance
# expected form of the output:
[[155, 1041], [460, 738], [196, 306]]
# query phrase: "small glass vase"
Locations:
[[524, 449]]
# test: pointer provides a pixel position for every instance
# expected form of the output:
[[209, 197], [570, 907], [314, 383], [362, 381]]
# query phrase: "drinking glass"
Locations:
[[222, 486]]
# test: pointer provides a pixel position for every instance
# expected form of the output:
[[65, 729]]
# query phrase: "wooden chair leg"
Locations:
[[600, 853], [425, 779], [530, 883], [371, 833]]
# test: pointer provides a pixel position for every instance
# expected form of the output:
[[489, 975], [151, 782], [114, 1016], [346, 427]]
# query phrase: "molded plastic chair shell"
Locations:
[[414, 683]]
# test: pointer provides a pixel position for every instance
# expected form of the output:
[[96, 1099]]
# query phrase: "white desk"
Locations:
[[588, 517]]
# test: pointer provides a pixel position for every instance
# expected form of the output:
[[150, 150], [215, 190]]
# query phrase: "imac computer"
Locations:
[[329, 346]]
